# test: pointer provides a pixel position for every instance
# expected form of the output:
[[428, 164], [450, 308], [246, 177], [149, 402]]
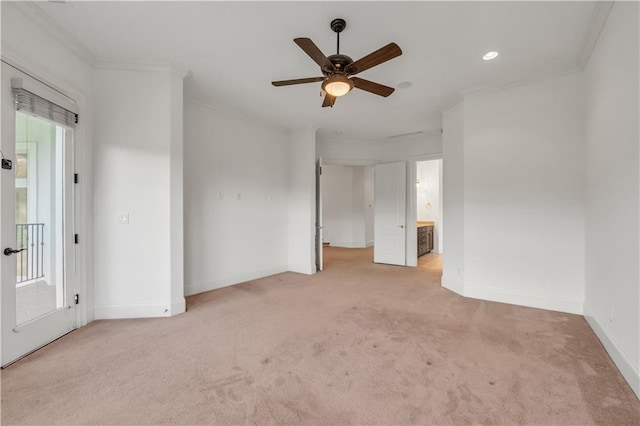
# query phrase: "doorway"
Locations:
[[37, 296], [429, 212], [347, 209]]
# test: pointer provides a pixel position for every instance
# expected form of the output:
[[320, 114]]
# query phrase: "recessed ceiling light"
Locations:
[[404, 85], [489, 56]]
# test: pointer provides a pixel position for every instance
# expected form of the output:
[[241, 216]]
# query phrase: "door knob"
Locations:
[[9, 251], [401, 226]]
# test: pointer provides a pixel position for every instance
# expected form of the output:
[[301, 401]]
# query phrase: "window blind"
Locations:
[[30, 102]]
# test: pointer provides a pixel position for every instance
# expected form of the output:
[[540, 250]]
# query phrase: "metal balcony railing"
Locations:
[[30, 262]]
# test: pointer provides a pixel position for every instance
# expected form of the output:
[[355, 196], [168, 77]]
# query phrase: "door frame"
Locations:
[[345, 163], [412, 206], [82, 199], [319, 239]]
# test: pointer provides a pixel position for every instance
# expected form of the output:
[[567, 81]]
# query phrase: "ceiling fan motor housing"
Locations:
[[338, 61]]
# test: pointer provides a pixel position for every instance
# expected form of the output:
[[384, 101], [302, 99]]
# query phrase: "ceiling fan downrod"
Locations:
[[338, 25]]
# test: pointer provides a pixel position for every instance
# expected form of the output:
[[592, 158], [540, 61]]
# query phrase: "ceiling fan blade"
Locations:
[[328, 101], [316, 54], [297, 81], [381, 55], [370, 86]]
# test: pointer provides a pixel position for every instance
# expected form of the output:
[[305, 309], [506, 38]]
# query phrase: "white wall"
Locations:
[[134, 262], [524, 194], [347, 200], [363, 206], [337, 205], [368, 206], [236, 199], [612, 228], [522, 156], [302, 201], [176, 152], [453, 197], [429, 197], [368, 153], [37, 50]]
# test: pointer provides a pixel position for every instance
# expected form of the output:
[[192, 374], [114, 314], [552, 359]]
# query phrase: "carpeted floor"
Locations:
[[356, 344]]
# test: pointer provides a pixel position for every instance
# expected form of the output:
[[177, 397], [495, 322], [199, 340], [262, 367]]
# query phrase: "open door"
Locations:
[[390, 187], [319, 259], [36, 224]]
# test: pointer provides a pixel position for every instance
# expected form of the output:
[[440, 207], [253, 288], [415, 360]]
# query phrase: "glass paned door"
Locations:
[[39, 204], [36, 226]]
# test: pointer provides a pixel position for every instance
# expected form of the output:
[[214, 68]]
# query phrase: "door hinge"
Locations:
[[76, 118], [76, 298], [75, 238], [75, 178]]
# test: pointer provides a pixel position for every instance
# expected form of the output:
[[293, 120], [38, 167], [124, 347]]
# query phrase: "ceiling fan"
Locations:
[[339, 70]]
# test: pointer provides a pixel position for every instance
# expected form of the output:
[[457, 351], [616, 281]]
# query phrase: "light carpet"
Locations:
[[359, 343]]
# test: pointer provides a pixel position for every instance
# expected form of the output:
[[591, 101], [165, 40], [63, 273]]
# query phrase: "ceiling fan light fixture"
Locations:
[[337, 85]]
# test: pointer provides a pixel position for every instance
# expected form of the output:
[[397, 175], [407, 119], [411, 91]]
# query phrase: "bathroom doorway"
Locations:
[[429, 211]]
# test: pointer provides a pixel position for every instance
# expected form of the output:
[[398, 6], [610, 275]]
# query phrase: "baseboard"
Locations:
[[301, 269], [191, 289], [456, 286], [514, 298], [630, 373], [137, 310], [370, 243], [178, 306], [349, 244], [91, 314], [558, 304]]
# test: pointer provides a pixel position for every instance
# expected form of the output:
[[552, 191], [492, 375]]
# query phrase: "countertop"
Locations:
[[424, 223]]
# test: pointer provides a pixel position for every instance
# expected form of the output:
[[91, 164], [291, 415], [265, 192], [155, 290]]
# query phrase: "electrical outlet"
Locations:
[[611, 316]]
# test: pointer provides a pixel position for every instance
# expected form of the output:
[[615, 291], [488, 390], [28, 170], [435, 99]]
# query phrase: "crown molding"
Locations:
[[349, 162], [491, 88], [355, 141], [427, 133], [516, 83], [594, 28], [301, 129], [175, 69], [451, 102], [32, 11], [35, 13], [16, 59]]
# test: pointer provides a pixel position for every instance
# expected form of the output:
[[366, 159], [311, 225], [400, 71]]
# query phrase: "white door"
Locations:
[[319, 247], [390, 187], [36, 224]]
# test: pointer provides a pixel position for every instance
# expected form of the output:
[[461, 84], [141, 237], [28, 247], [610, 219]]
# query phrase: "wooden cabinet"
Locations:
[[425, 239]]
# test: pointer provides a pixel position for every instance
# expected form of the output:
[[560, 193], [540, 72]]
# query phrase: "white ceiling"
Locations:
[[235, 49]]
